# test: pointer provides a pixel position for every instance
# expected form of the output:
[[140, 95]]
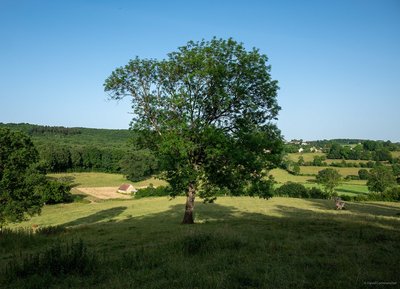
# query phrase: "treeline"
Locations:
[[84, 149], [64, 159], [368, 150], [352, 149], [73, 137], [55, 130]]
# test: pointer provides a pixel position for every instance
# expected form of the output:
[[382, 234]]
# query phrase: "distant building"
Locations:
[[301, 150], [315, 150], [126, 189]]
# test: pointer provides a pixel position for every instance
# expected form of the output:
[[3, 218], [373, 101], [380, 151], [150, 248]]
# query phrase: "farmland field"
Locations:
[[105, 180], [239, 242], [351, 187], [312, 170]]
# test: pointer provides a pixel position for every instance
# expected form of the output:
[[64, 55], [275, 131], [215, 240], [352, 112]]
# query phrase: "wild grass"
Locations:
[[237, 242]]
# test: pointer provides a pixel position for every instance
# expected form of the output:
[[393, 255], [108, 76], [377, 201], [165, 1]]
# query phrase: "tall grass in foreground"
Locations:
[[245, 243]]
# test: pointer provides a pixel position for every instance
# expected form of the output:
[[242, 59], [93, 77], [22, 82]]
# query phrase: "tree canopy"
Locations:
[[380, 178], [20, 180], [207, 112], [329, 179]]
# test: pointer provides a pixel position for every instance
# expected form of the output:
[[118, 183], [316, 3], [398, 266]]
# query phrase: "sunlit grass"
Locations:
[[313, 170], [95, 179], [276, 243]]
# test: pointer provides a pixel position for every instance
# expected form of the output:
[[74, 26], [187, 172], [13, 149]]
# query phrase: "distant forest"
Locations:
[[64, 149], [107, 150]]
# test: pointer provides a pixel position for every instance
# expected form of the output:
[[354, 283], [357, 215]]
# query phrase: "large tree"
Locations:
[[380, 178], [207, 112], [20, 180], [329, 179]]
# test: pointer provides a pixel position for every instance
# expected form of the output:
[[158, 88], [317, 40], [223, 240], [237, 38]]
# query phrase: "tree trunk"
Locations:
[[190, 196]]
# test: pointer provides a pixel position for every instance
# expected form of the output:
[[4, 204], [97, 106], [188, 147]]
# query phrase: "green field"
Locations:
[[352, 187], [88, 180], [237, 242], [312, 170], [396, 154], [308, 157]]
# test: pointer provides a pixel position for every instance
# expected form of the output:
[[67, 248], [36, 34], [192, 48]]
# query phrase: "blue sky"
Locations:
[[337, 62]]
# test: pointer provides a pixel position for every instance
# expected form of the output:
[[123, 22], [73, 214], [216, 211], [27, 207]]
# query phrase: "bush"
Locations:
[[316, 193], [294, 190], [151, 191], [363, 174], [392, 194], [346, 198], [351, 177], [55, 192]]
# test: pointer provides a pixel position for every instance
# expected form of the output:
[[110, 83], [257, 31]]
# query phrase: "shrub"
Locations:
[[363, 174], [392, 194], [346, 198], [294, 190], [316, 193], [151, 191], [55, 192], [351, 177]]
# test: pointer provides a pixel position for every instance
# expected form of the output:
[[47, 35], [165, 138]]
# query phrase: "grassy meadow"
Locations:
[[88, 180], [237, 242]]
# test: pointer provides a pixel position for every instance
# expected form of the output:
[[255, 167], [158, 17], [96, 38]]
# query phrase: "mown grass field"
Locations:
[[88, 180], [313, 170], [351, 187], [237, 242]]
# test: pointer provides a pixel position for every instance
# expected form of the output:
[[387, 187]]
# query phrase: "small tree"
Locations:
[[329, 179], [20, 180], [363, 174], [206, 112], [380, 178]]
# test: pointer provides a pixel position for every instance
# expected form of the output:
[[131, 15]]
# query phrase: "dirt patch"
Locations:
[[104, 193]]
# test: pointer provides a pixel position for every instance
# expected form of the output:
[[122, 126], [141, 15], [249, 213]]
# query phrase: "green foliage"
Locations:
[[380, 178], [319, 161], [55, 192], [152, 191], [391, 194], [329, 179], [77, 149], [316, 193], [206, 112], [369, 150], [293, 190], [363, 174], [20, 178], [138, 165], [263, 188]]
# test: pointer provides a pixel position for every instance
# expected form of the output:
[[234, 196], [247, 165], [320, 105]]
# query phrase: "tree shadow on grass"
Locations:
[[275, 242], [361, 209], [97, 217]]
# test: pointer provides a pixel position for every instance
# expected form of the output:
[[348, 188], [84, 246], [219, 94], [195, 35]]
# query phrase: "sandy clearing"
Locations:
[[104, 193]]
